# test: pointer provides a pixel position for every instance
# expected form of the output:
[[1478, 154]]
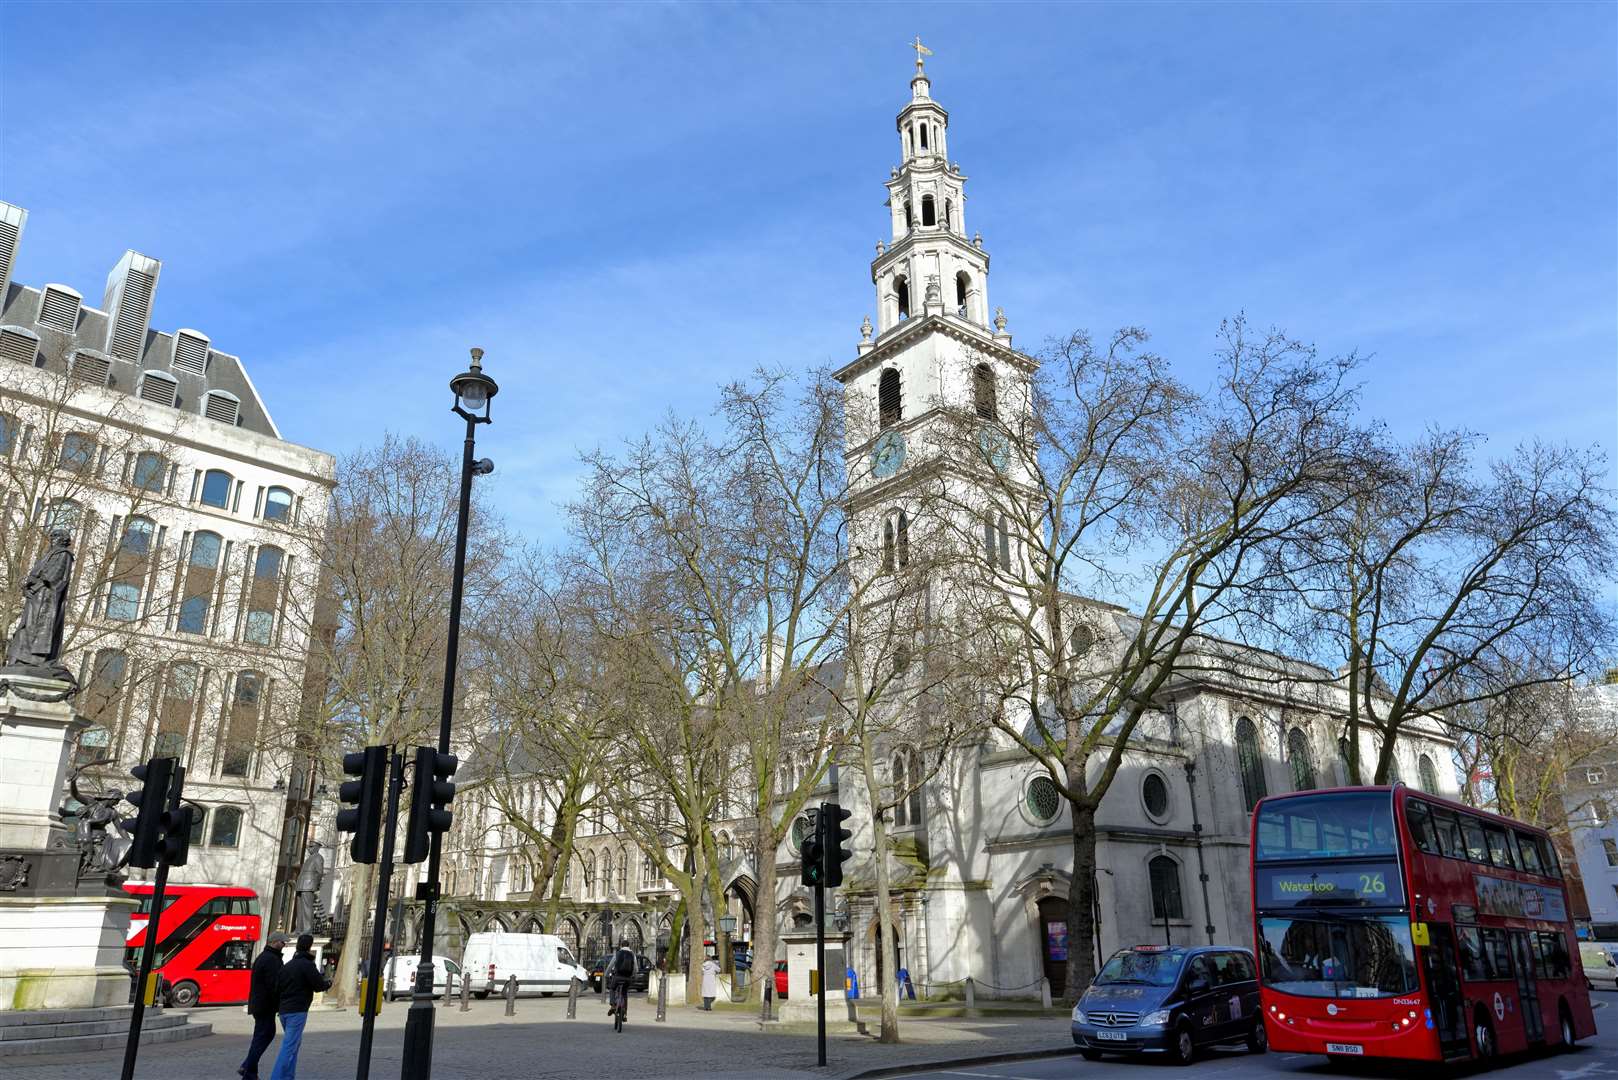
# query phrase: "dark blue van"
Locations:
[[1168, 999]]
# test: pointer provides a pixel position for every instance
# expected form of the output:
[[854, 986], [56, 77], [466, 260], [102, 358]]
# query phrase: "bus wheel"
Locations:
[[1483, 1034], [1568, 1036], [184, 995]]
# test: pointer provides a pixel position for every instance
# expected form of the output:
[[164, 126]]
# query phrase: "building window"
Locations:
[[1427, 774], [150, 471], [1598, 810], [205, 550], [890, 401], [9, 428], [267, 564], [278, 504], [901, 781], [259, 627], [983, 396], [227, 827], [62, 514], [1303, 763], [194, 615], [137, 539], [174, 715], [1610, 846], [106, 690], [123, 601], [1043, 799], [1343, 763], [78, 453], [1154, 793], [889, 546], [929, 215], [901, 284], [242, 730], [1166, 902], [216, 485], [1005, 544], [623, 871], [199, 824], [1249, 762], [801, 828], [93, 745]]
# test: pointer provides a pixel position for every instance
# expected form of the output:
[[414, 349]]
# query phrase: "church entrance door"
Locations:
[[1053, 931]]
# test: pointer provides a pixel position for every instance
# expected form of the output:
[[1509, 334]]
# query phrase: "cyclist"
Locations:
[[618, 971]]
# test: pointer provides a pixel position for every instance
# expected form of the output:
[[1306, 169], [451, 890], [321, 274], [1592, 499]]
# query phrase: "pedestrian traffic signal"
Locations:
[[175, 844], [364, 817], [834, 841], [145, 829], [430, 795], [811, 853]]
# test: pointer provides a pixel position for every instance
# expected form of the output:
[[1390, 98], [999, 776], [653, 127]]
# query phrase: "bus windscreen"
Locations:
[[1332, 826], [1338, 957]]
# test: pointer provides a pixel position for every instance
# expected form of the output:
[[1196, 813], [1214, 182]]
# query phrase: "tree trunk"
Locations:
[[1081, 898], [765, 933], [884, 899], [361, 895]]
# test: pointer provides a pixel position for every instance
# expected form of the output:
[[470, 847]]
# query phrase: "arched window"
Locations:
[[78, 453], [916, 780], [62, 514], [278, 504], [949, 212], [988, 540], [901, 295], [924, 136], [1165, 875], [1005, 544], [1303, 764], [929, 216], [216, 485], [889, 399], [241, 734], [727, 847], [202, 562], [1428, 774], [150, 471], [623, 871], [199, 825], [910, 221], [901, 782], [174, 715], [1249, 762], [137, 539], [983, 396], [261, 600], [1343, 762], [587, 870], [227, 827], [903, 531], [889, 546], [963, 288]]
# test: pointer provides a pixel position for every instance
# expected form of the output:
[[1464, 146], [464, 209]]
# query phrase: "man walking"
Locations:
[[300, 981], [263, 995]]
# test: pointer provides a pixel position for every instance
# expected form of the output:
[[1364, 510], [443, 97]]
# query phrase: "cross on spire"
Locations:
[[921, 51]]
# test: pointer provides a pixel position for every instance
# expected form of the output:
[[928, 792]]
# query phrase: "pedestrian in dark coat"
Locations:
[[263, 997], [300, 981]]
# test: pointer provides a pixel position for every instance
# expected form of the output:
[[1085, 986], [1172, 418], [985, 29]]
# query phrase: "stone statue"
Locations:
[[102, 841], [306, 903], [36, 643]]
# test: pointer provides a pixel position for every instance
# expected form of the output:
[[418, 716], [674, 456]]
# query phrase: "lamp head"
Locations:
[[472, 390]]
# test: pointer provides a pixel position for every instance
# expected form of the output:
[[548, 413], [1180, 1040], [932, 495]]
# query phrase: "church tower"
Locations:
[[933, 357]]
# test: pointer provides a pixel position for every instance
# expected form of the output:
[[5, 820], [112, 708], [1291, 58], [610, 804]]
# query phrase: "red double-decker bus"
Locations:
[[205, 940], [1390, 923]]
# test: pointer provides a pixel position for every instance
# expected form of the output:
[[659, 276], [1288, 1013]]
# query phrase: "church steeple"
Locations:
[[928, 266]]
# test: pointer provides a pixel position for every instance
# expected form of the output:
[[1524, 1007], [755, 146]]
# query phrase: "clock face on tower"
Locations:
[[887, 454]]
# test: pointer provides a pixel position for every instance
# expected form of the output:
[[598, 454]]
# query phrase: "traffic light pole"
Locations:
[[418, 1040], [375, 990], [820, 966], [149, 951]]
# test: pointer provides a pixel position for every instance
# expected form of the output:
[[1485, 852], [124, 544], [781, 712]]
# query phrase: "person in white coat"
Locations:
[[710, 982]]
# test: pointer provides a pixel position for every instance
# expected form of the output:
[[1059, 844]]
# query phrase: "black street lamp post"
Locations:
[[473, 391]]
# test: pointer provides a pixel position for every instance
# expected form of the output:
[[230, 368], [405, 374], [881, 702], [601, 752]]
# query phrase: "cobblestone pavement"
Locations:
[[541, 1043]]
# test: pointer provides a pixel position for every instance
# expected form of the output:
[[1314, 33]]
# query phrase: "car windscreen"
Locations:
[[1141, 968], [1338, 825], [1338, 957]]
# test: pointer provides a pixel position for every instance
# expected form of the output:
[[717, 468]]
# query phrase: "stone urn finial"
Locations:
[[1000, 320]]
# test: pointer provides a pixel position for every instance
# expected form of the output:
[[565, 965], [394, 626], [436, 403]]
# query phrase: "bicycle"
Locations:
[[620, 1003]]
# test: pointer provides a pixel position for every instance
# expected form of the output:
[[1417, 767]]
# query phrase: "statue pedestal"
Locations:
[[58, 949], [800, 1005]]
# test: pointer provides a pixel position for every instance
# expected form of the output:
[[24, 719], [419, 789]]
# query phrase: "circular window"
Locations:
[[1154, 792], [1042, 798], [801, 828], [1081, 641]]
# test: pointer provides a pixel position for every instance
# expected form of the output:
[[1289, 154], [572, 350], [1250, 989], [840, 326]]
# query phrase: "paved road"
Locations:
[[1595, 1059]]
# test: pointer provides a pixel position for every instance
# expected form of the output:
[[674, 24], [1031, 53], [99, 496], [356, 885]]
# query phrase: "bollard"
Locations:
[[573, 999], [466, 991], [662, 997], [1044, 992], [511, 995], [769, 1000], [449, 990], [971, 993]]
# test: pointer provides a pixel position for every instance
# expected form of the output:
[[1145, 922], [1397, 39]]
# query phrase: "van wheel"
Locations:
[[480, 994], [1090, 1055], [545, 993], [1258, 1040], [184, 995], [1566, 1018], [1184, 1049]]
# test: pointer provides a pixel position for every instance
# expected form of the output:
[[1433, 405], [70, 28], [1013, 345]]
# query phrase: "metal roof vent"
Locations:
[[191, 352], [91, 366], [159, 388], [133, 316], [20, 344], [59, 308], [12, 219], [222, 406]]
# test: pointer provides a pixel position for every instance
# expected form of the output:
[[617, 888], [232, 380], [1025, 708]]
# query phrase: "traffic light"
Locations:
[[175, 843], [834, 841], [811, 852], [145, 829], [430, 793], [364, 818]]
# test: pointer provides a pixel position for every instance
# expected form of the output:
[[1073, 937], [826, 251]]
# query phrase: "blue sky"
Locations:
[[628, 205]]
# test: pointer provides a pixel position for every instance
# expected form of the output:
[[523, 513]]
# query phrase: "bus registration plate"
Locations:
[[1344, 1048]]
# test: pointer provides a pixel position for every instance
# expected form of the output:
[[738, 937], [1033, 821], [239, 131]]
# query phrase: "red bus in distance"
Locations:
[[206, 936], [1390, 923]]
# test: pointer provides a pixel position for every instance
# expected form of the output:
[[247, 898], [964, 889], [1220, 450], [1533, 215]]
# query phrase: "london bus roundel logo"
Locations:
[[1331, 1010], [1499, 1006]]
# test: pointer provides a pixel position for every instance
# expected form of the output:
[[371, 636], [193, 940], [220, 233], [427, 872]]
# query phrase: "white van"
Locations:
[[401, 975], [542, 963]]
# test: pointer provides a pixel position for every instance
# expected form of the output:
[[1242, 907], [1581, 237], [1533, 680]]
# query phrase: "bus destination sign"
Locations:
[[1376, 884]]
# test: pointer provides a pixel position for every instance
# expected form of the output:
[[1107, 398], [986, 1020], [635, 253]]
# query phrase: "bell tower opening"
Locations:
[[889, 400], [928, 215], [901, 292]]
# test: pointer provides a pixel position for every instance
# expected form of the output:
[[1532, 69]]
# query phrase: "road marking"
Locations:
[[993, 1076]]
